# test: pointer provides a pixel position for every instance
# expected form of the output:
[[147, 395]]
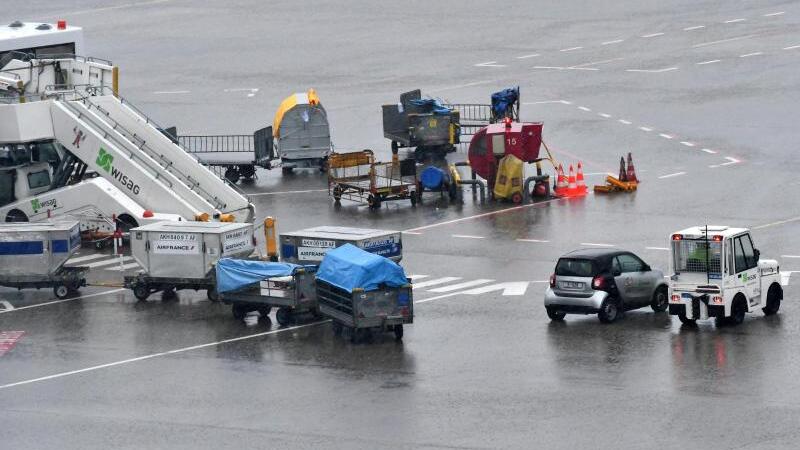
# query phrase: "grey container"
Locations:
[[310, 245], [188, 249], [37, 249]]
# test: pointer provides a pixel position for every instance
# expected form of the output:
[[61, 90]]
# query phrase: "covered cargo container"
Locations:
[[309, 246], [182, 255], [301, 132], [39, 248]]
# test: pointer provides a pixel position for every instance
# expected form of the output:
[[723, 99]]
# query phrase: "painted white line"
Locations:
[[616, 41], [592, 244], [241, 90], [417, 277], [106, 8], [486, 214], [258, 194], [676, 174], [791, 47], [461, 86], [583, 108], [412, 232], [86, 258], [738, 38], [687, 143], [467, 236], [564, 68], [747, 55], [730, 161], [790, 256], [563, 102], [570, 49], [657, 248], [652, 35], [171, 92], [6, 305], [708, 150], [538, 241], [667, 69], [434, 282], [156, 355], [489, 64], [509, 288], [734, 20], [711, 61], [780, 222], [697, 27], [459, 286], [534, 55], [623, 121], [113, 260], [124, 267], [647, 129], [779, 13], [426, 300], [607, 116], [785, 276], [55, 302], [594, 63], [665, 136]]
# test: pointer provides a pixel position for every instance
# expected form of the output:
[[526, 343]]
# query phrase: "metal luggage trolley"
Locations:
[[426, 124], [474, 116], [250, 285], [238, 154], [362, 292], [356, 176]]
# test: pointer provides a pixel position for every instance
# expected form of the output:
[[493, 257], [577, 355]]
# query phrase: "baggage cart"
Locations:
[[238, 155], [474, 116], [260, 285], [357, 177], [182, 255], [310, 245], [301, 132], [32, 255], [362, 293], [422, 123]]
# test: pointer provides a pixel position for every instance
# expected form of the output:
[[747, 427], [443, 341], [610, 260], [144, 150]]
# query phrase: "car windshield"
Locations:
[[573, 267], [697, 256]]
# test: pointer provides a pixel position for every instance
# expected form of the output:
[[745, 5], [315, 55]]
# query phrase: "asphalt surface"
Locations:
[[702, 93]]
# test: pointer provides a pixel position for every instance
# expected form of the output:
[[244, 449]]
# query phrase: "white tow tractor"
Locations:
[[717, 272]]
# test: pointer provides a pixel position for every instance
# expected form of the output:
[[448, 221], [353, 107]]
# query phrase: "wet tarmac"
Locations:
[[482, 366]]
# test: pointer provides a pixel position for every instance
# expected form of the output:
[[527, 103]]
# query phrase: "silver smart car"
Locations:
[[605, 282]]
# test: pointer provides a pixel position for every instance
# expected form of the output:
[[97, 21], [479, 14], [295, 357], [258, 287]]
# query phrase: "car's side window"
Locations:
[[630, 263], [749, 253], [739, 259], [615, 266]]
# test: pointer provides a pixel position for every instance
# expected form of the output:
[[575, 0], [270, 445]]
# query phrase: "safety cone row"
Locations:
[[562, 185], [572, 186], [627, 180]]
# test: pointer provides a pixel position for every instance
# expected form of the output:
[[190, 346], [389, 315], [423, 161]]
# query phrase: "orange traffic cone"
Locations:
[[631, 171], [572, 187], [561, 182], [623, 173], [581, 183]]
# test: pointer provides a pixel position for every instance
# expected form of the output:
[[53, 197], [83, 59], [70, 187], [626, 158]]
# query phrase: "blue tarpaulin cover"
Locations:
[[435, 105], [348, 267], [235, 274], [502, 101]]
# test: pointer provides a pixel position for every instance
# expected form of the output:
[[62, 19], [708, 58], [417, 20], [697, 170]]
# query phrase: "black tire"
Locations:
[[609, 311], [232, 175], [212, 295], [555, 315], [374, 201], [16, 215], [141, 291], [337, 328], [452, 190], [264, 311], [61, 291], [287, 170], [337, 193], [283, 316], [687, 321], [398, 332], [774, 297], [738, 310], [247, 172], [413, 199], [239, 311], [169, 293], [660, 300]]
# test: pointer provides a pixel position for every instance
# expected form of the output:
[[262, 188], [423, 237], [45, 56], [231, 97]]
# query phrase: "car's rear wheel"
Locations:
[[660, 301], [609, 310], [555, 314]]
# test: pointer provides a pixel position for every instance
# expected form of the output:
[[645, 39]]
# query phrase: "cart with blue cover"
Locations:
[[252, 285], [363, 292]]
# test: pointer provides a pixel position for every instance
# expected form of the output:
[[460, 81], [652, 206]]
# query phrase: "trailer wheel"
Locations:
[[239, 311], [774, 296], [452, 191], [212, 295], [232, 175], [660, 303], [287, 170], [337, 328], [413, 199], [141, 291], [398, 332], [247, 172], [283, 316], [264, 311], [374, 201], [61, 291], [337, 193], [739, 309]]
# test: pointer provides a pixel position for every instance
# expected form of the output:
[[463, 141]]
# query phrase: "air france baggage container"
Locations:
[[189, 249], [309, 246], [30, 249]]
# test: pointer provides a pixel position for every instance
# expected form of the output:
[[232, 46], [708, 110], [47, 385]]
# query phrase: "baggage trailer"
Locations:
[[301, 132], [260, 285], [362, 292], [357, 177], [237, 154], [182, 255], [474, 116], [426, 124], [32, 255], [309, 246]]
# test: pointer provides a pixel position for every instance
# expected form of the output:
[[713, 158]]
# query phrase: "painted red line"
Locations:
[[8, 339]]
